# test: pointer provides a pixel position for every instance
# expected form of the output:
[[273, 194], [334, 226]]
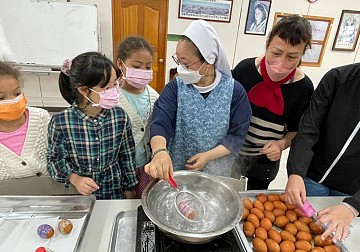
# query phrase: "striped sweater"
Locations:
[[266, 126]]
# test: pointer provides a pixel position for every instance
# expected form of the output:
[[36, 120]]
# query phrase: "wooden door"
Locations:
[[147, 18]]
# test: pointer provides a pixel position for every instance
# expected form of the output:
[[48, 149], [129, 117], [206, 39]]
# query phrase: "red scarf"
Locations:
[[268, 93]]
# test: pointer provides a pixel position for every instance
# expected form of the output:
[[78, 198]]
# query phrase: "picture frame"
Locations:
[[257, 17], [321, 27], [348, 31], [214, 10]]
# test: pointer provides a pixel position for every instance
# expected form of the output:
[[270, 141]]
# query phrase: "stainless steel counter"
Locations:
[[98, 234]]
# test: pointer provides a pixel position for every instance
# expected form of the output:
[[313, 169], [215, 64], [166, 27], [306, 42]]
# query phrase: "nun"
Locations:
[[201, 118]]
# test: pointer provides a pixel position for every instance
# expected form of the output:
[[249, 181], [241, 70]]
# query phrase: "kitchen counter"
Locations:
[[98, 234]]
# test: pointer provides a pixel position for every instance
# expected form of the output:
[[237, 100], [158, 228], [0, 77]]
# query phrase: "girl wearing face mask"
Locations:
[[90, 143], [137, 98], [201, 117], [279, 93], [23, 130]]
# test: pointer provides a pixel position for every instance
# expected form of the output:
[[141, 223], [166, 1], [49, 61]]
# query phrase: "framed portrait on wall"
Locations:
[[348, 31], [320, 33], [214, 10], [257, 17]]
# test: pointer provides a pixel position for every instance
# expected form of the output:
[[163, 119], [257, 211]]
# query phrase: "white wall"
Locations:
[[237, 44]]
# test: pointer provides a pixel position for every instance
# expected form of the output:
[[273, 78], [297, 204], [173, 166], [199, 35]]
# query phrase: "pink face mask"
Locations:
[[109, 98], [138, 78], [278, 70]]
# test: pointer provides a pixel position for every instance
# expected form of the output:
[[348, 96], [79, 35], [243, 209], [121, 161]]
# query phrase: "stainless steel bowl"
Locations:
[[223, 207]]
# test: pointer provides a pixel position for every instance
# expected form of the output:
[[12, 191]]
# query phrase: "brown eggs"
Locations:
[[274, 225]]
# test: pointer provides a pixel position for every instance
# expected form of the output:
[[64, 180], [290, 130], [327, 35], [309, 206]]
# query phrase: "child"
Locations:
[[138, 98], [90, 144], [23, 130]]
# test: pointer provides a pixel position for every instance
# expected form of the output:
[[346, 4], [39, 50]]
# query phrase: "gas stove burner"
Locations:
[[150, 239]]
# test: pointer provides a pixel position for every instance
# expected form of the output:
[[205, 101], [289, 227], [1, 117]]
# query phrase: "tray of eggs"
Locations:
[[269, 223]]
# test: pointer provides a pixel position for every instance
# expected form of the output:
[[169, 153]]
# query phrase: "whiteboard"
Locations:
[[46, 33]]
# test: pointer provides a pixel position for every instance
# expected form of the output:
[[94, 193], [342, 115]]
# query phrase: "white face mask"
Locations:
[[189, 76]]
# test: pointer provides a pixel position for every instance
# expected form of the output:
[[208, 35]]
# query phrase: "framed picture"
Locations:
[[214, 10], [320, 33], [348, 31], [257, 17]]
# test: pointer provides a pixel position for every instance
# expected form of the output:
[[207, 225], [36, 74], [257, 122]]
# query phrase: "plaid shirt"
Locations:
[[100, 147]]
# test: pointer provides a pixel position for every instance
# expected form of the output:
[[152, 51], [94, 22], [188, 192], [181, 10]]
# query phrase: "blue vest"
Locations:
[[201, 125]]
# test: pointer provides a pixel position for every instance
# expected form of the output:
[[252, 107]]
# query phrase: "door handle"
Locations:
[[161, 60]]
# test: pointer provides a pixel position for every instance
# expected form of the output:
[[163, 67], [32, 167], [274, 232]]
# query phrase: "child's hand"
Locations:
[[84, 185], [130, 194]]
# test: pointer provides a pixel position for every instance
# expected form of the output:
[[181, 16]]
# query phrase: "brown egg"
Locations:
[[301, 226], [259, 245], [278, 212], [291, 228], [266, 223], [300, 250], [298, 212], [261, 233], [331, 248], [315, 229], [249, 229], [273, 197], [280, 205], [321, 243], [287, 246], [305, 219], [282, 197], [304, 245], [272, 245], [257, 212], [247, 203], [303, 236], [286, 236], [291, 215], [281, 221], [262, 198], [318, 249], [245, 214], [289, 206], [254, 220], [270, 215], [275, 235], [259, 205], [268, 205]]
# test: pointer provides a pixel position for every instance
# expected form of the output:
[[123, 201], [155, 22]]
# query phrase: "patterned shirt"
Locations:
[[100, 147]]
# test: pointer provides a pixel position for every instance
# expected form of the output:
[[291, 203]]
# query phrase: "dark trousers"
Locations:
[[259, 170]]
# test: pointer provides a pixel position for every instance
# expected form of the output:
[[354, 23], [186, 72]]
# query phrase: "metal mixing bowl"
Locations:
[[223, 207]]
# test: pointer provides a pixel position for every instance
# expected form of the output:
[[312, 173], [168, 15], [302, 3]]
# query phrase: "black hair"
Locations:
[[196, 49], [7, 69], [132, 44], [87, 70], [293, 29]]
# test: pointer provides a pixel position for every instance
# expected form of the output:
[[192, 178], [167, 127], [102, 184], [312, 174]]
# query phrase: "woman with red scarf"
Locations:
[[279, 92]]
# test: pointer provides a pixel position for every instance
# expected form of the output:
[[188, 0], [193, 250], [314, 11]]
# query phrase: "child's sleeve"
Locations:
[[127, 159], [57, 164]]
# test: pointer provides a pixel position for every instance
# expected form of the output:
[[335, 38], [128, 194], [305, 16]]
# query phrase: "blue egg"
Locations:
[[45, 231]]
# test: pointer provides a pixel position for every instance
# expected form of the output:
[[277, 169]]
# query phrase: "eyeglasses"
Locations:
[[177, 62]]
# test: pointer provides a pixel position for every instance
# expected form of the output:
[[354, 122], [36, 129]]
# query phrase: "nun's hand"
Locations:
[[160, 166], [198, 162]]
